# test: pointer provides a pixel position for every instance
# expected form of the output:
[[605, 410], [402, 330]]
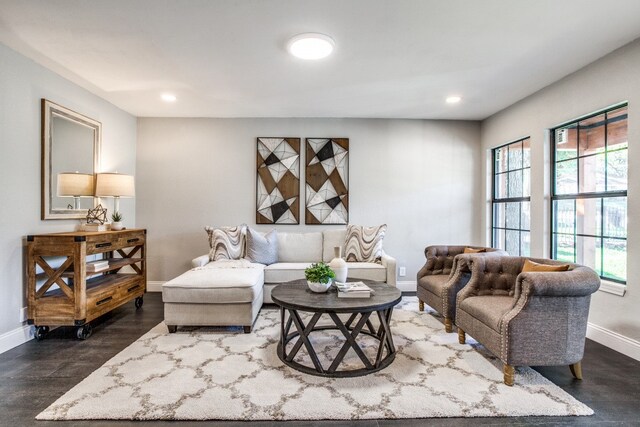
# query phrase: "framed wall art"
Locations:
[[327, 181], [278, 181]]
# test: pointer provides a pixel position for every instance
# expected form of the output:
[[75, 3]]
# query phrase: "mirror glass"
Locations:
[[71, 145]]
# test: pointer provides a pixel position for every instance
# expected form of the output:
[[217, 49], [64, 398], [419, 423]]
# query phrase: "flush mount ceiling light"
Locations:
[[453, 99], [168, 97], [310, 46]]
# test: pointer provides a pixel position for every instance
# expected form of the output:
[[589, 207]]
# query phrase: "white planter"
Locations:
[[339, 265], [319, 287], [115, 226]]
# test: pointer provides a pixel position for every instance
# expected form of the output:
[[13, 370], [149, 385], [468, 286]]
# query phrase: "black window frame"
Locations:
[[587, 195], [495, 200]]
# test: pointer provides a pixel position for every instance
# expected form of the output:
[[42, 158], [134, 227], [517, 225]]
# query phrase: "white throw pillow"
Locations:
[[364, 244]]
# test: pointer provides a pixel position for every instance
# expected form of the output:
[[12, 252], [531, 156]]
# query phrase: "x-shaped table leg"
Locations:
[[303, 338], [351, 341]]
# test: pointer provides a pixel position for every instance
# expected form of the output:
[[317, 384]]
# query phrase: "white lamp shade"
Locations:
[[115, 185], [73, 184]]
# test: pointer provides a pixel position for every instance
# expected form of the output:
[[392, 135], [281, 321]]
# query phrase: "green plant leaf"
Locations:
[[319, 273]]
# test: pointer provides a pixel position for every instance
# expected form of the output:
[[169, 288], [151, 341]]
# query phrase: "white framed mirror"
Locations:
[[70, 158]]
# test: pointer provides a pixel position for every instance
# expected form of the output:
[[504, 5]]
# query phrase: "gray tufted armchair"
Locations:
[[443, 275], [530, 318]]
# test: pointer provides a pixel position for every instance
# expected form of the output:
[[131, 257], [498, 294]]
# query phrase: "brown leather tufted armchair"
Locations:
[[527, 319], [443, 275]]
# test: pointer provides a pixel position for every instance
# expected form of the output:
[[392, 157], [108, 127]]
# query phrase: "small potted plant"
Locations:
[[116, 217], [319, 277]]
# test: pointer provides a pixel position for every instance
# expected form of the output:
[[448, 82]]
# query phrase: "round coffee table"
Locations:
[[294, 297]]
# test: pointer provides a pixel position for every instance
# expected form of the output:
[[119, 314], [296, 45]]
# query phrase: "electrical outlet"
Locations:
[[403, 271], [23, 314]]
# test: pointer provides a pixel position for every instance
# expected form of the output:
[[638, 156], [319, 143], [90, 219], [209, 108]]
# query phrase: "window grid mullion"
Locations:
[[575, 230], [580, 195], [496, 172], [602, 237]]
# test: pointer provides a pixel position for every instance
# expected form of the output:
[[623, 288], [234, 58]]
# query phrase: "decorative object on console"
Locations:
[[96, 219], [116, 225], [262, 249], [327, 181], [97, 266], [278, 186], [226, 242], [364, 244], [339, 265], [76, 185], [319, 277], [115, 185]]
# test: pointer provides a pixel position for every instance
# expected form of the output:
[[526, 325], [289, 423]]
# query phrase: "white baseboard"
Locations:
[[407, 285], [14, 338], [613, 340], [155, 285]]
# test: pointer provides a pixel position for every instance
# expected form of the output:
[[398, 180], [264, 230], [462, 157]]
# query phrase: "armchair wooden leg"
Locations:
[[420, 305], [509, 373], [576, 370], [462, 339], [448, 325]]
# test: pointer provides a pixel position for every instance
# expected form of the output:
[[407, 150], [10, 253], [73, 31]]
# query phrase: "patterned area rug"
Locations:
[[209, 373]]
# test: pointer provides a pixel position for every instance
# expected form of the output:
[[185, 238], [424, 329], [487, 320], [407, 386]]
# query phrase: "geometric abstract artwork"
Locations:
[[278, 186], [327, 181]]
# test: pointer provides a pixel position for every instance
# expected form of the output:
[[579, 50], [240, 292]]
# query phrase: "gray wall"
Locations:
[[612, 79], [419, 177], [22, 84]]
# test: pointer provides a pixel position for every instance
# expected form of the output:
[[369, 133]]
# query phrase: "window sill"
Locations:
[[613, 288]]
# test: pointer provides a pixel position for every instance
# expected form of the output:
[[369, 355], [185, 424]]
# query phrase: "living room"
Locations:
[[516, 72]]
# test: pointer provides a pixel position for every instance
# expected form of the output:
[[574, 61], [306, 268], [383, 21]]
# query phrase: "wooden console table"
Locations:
[[82, 296]]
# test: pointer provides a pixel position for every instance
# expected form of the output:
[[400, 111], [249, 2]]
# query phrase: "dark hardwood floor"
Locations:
[[35, 374]]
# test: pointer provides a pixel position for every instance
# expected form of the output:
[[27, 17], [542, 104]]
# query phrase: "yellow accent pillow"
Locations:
[[473, 251], [534, 266]]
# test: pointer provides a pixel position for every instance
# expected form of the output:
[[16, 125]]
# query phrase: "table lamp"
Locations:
[[115, 185], [76, 185]]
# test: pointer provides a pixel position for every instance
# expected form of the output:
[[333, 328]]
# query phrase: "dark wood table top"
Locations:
[[297, 295]]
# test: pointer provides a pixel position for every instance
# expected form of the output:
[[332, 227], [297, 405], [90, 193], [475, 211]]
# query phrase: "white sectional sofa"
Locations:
[[224, 293]]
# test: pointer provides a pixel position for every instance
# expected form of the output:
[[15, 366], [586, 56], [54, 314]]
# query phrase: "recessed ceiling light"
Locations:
[[168, 97], [453, 99], [311, 46]]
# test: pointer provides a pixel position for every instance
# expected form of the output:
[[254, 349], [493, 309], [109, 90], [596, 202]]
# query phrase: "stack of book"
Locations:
[[353, 290], [97, 266], [93, 227]]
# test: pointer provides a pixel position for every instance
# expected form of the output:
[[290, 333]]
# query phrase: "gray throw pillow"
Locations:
[[262, 249]]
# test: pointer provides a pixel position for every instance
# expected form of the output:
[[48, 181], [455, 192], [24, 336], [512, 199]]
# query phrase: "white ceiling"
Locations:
[[393, 59]]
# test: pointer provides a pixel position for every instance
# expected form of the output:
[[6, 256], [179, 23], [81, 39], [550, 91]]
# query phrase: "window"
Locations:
[[511, 196], [589, 193]]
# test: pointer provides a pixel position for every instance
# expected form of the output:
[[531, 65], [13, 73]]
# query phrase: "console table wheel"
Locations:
[[138, 302], [83, 332], [40, 332]]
